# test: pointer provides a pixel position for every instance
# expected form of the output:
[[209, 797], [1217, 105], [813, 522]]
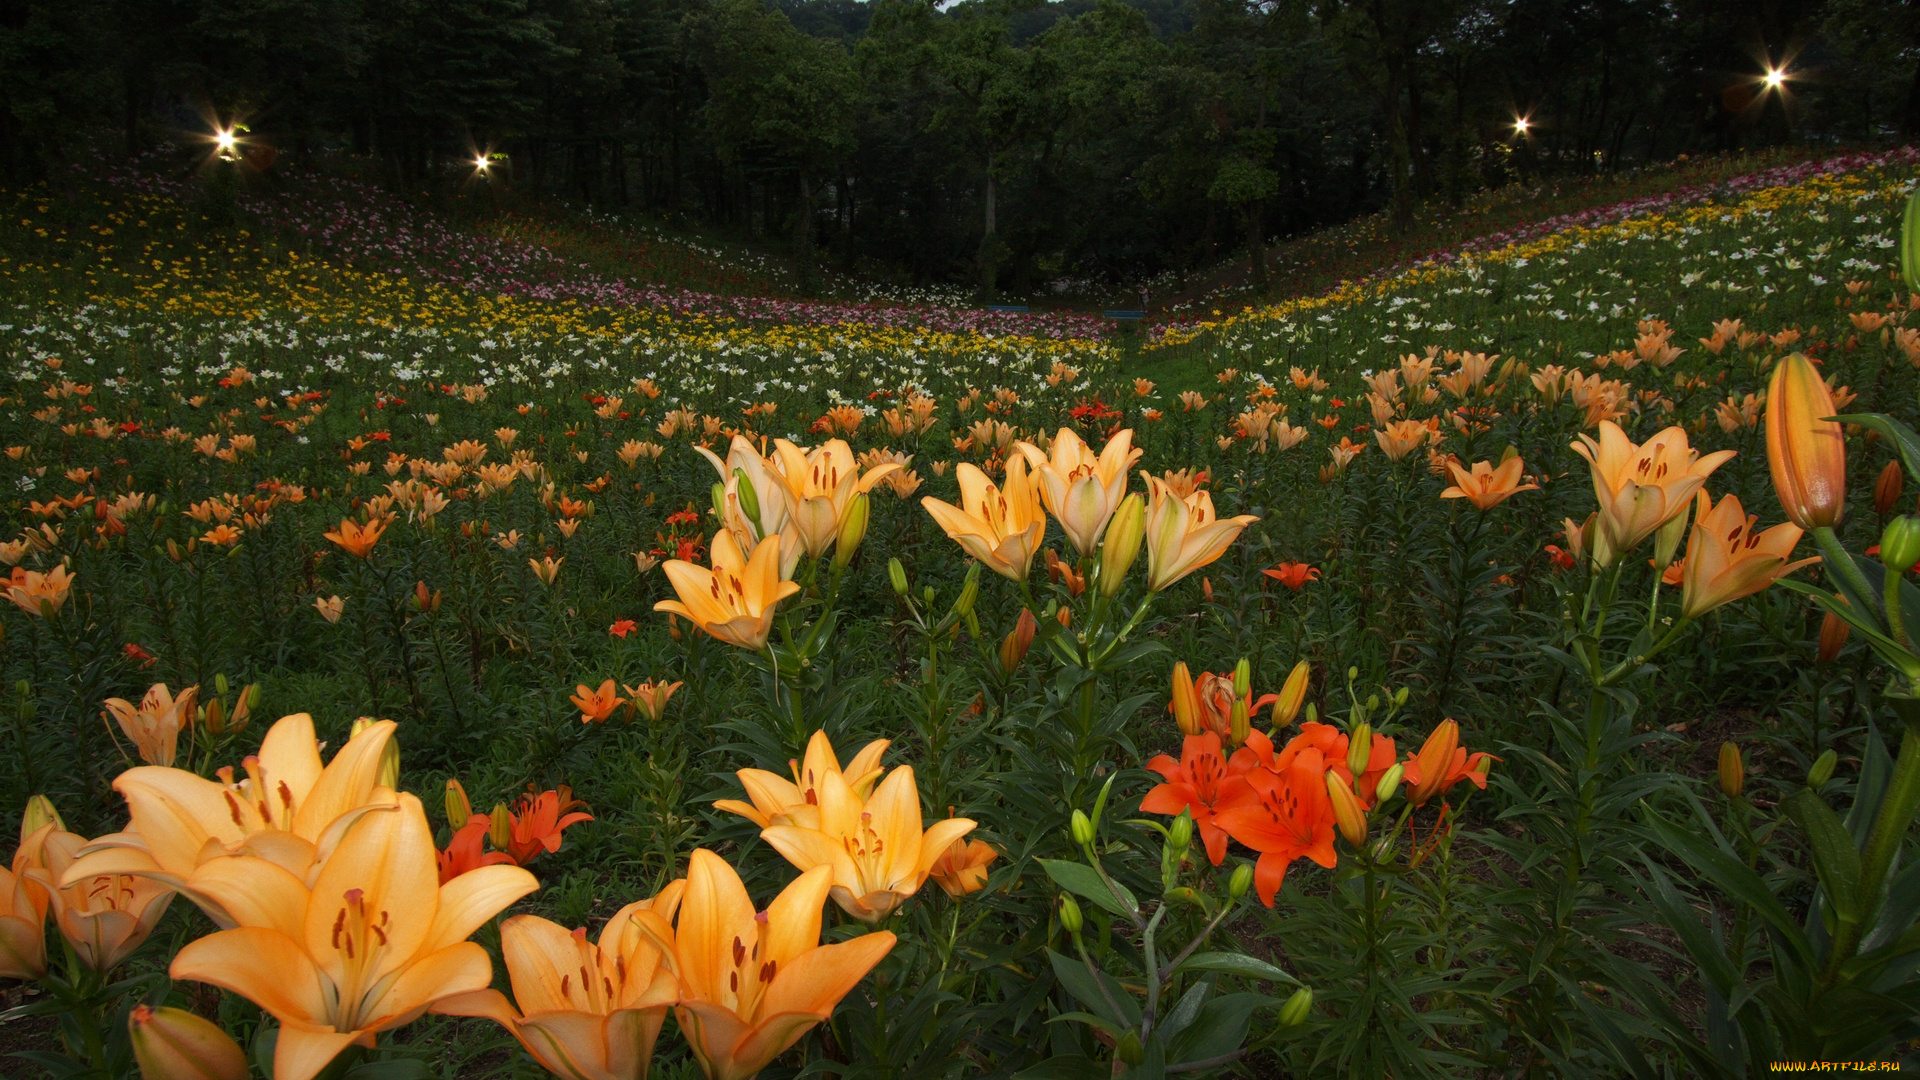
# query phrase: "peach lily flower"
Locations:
[[822, 483], [1000, 526], [358, 540], [1487, 487], [1806, 452], [370, 946], [651, 697], [154, 724], [1727, 559], [23, 907], [1082, 490], [733, 601], [107, 917], [752, 983], [1640, 487], [39, 594], [874, 846], [289, 810], [962, 869], [1184, 534], [587, 1011], [777, 801], [771, 498]]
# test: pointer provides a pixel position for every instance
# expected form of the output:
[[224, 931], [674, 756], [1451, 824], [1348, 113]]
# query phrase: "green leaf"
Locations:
[[1905, 441], [1836, 860], [1226, 963], [1066, 1068], [1086, 985], [1734, 878], [1083, 880], [1219, 1029], [1910, 244]]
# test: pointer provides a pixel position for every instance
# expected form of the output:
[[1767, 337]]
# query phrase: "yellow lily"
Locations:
[[1082, 490], [1806, 452], [822, 483], [106, 917], [776, 801], [874, 846], [1184, 534], [1001, 527], [1728, 560], [154, 724], [586, 1011], [733, 601], [752, 983], [1640, 487], [770, 501], [289, 810], [374, 943]]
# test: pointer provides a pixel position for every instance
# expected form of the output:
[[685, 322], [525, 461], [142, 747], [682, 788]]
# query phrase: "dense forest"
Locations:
[[1002, 143]]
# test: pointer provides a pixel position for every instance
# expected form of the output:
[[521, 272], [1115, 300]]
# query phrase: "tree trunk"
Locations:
[[989, 257], [803, 234]]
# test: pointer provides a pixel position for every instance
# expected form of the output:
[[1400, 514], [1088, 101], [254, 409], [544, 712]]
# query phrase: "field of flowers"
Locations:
[[425, 656]]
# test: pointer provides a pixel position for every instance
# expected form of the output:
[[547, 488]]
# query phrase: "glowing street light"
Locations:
[[480, 164], [1521, 124], [226, 144], [1774, 79]]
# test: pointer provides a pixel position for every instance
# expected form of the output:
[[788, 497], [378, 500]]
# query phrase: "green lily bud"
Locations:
[[1666, 541], [40, 813], [749, 498], [897, 577], [926, 595], [1129, 1050], [500, 828], [1242, 678], [1822, 770], [1180, 834], [1082, 828], [1125, 533], [1070, 918], [1359, 748], [1733, 771], [1240, 881], [174, 1044], [1400, 696], [1900, 543], [1294, 1012], [969, 592], [720, 500], [853, 529], [1313, 713], [459, 807], [1389, 783]]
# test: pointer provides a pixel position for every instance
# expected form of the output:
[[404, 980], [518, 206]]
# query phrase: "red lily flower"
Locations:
[[1284, 816], [538, 821], [1194, 783], [1294, 575], [463, 851]]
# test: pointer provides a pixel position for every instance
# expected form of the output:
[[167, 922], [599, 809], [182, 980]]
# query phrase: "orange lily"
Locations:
[[1806, 452], [752, 983], [370, 946], [822, 483], [39, 594], [962, 869], [1441, 763], [734, 601], [358, 540], [538, 820], [289, 810], [587, 1011], [1487, 487], [596, 705], [1727, 560], [154, 724], [463, 850], [1000, 526], [651, 697], [875, 847], [1640, 487], [1284, 815], [1082, 490], [105, 918], [1194, 783], [1184, 534], [776, 801]]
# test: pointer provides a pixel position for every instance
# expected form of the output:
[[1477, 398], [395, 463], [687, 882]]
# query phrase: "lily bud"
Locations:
[[500, 827], [1239, 722], [853, 529], [1082, 828], [1733, 772], [1293, 694], [1070, 918], [390, 765], [1240, 881], [1347, 813], [897, 577], [215, 718], [1294, 1012], [1185, 708], [720, 500], [40, 812], [1389, 783], [1129, 1049], [1359, 748], [969, 592], [1807, 453], [1822, 770], [1887, 488], [1666, 539], [174, 1044], [1900, 544], [1180, 833], [1013, 648], [459, 808], [749, 498], [1833, 637], [1242, 678], [1125, 534]]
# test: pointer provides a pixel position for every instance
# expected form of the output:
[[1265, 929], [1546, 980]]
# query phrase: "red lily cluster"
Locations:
[[1277, 803], [531, 827]]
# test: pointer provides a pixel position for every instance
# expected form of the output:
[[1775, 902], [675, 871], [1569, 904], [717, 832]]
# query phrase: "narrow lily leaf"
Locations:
[[1835, 860], [1080, 879]]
